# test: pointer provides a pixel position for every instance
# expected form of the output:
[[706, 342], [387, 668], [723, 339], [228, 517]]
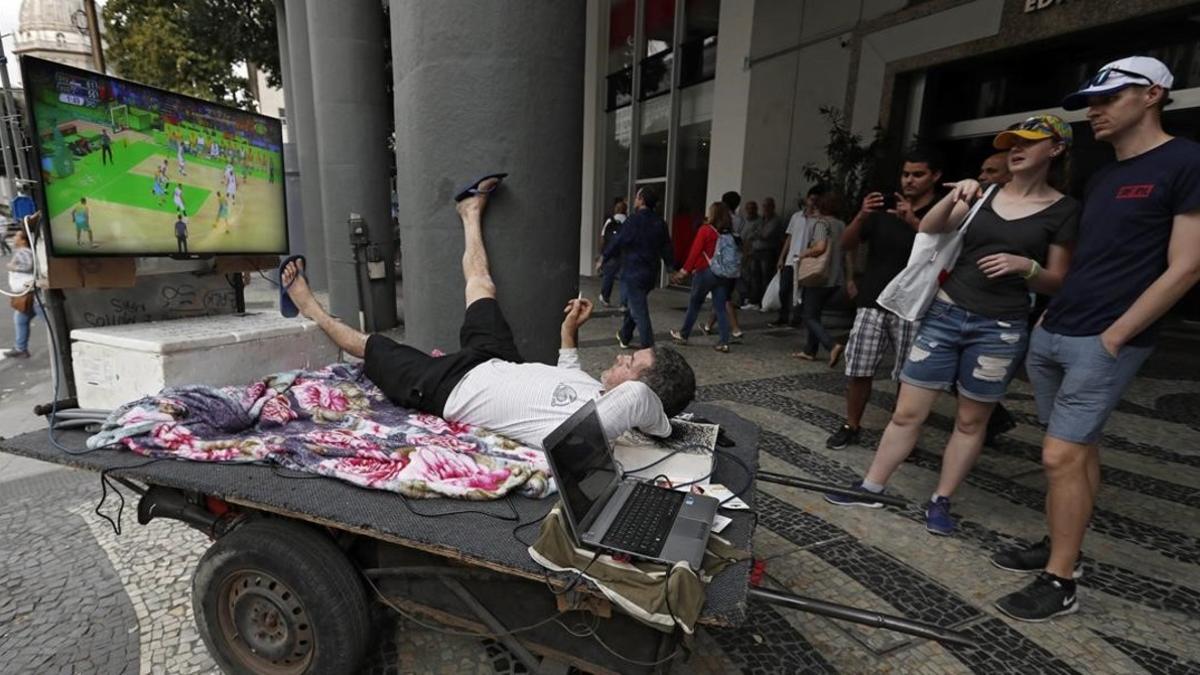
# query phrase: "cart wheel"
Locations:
[[277, 597]]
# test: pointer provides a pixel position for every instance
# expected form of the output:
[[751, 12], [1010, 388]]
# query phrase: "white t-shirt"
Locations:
[[799, 229], [526, 401]]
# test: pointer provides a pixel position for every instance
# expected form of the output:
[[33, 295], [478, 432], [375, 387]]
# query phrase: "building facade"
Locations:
[[729, 92], [54, 30]]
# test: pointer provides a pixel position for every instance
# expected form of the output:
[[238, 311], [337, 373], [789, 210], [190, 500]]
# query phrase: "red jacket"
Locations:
[[703, 247]]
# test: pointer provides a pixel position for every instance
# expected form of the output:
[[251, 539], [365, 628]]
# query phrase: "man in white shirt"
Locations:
[[798, 230], [487, 383]]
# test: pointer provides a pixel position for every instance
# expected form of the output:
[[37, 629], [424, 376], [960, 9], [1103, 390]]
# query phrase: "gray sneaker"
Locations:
[[16, 353]]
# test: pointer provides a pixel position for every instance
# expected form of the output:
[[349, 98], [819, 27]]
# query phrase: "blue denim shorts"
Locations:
[[954, 346], [1077, 383]]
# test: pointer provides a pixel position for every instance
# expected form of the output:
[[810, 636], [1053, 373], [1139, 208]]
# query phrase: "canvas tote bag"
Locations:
[[910, 293], [815, 271]]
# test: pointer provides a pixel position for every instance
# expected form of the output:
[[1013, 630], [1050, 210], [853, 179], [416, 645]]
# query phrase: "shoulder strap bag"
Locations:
[[910, 292], [814, 271]]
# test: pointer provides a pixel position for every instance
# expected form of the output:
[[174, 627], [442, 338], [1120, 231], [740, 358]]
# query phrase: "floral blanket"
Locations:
[[333, 422]]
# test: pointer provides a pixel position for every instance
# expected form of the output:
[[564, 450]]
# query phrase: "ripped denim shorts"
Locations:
[[954, 346]]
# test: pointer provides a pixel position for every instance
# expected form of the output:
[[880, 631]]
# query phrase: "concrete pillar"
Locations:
[[594, 127], [291, 165], [346, 45], [302, 132], [732, 100], [486, 86]]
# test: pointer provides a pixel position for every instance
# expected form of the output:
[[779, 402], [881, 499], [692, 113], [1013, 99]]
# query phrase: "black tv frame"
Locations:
[[274, 124]]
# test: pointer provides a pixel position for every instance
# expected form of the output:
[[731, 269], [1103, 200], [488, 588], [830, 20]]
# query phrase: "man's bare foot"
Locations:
[[473, 205], [297, 288]]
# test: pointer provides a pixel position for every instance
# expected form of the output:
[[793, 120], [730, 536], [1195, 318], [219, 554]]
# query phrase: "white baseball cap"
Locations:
[[1141, 71]]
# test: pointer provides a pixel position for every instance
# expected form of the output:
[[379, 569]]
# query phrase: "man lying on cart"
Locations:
[[487, 383]]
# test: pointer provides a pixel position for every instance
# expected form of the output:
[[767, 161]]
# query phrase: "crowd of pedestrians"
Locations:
[[1070, 292]]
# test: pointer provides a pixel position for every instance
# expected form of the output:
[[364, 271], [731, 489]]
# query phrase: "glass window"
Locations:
[[620, 53], [620, 89], [1032, 79], [698, 44], [698, 60], [659, 56], [691, 168], [620, 34], [656, 74], [659, 26], [652, 141], [616, 156]]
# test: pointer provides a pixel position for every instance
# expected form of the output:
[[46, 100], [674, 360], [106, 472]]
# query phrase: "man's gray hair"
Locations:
[[672, 379]]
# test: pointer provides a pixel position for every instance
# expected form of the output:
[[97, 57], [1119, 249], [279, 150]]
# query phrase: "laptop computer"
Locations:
[[627, 516]]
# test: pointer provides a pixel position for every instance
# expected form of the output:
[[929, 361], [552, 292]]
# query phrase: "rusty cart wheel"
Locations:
[[277, 597]]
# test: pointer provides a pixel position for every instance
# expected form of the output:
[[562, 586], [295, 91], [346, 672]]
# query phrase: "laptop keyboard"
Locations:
[[645, 520]]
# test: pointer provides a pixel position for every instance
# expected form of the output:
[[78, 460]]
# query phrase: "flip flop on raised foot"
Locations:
[[473, 189], [286, 307]]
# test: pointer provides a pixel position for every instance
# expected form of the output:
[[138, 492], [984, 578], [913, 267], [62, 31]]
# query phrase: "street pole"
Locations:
[[94, 31], [7, 112]]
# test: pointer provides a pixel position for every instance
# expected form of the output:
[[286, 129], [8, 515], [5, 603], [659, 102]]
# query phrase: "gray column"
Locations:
[[291, 161], [353, 114], [302, 132], [487, 86]]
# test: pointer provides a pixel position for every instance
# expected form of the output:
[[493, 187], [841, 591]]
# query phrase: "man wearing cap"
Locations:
[[1138, 253]]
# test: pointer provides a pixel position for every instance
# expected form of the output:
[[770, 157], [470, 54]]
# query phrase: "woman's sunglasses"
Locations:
[[1035, 124]]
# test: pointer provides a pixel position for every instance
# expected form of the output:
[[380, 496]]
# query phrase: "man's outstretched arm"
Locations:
[[577, 312]]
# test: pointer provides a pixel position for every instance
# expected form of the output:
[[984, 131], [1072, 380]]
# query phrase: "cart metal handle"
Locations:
[[816, 486], [864, 617]]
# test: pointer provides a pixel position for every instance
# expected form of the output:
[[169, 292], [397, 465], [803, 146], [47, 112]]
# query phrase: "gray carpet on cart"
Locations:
[[334, 501]]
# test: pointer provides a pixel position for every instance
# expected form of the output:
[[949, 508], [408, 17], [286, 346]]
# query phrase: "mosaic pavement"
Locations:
[[75, 597]]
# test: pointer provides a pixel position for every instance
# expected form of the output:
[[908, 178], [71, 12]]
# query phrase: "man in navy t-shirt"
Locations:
[[1137, 254]]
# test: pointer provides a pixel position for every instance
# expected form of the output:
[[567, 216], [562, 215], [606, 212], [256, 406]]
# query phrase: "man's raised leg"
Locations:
[[476, 273], [351, 341]]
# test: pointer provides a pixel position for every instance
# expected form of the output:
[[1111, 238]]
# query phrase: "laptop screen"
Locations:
[[582, 462]]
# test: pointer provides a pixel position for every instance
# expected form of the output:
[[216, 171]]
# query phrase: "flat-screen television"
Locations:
[[132, 170]]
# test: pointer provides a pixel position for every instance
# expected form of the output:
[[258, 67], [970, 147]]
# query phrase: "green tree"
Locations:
[[190, 46], [849, 161]]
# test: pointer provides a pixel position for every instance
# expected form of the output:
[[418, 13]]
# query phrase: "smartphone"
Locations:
[[889, 201]]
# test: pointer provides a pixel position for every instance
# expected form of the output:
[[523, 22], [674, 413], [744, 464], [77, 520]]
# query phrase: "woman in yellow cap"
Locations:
[[975, 333]]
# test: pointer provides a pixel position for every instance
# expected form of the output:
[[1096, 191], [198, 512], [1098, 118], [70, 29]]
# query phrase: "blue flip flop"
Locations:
[[286, 307], [473, 188]]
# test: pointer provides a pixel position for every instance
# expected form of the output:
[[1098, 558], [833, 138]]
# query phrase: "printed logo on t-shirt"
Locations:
[[563, 395], [1135, 191]]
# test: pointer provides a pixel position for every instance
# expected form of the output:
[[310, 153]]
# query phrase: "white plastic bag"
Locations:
[[910, 293], [770, 298]]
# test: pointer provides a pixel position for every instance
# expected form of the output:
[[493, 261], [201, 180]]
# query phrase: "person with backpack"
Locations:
[[824, 239], [714, 253], [610, 267]]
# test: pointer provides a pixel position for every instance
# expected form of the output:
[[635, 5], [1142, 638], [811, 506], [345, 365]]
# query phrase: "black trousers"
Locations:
[[413, 379], [787, 282]]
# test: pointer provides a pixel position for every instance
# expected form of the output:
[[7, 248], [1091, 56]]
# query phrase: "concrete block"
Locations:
[[118, 364]]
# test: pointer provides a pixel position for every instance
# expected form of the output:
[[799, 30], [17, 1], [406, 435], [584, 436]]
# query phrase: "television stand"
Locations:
[[239, 294]]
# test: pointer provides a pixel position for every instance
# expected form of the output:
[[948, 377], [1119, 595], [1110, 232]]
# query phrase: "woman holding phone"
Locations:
[[976, 331]]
